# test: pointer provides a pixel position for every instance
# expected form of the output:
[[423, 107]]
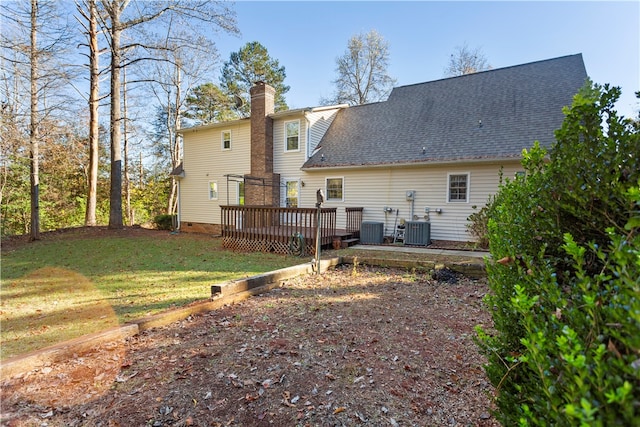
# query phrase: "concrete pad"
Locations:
[[423, 250]]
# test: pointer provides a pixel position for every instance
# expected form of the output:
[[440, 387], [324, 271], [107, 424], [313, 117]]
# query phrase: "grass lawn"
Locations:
[[57, 289]]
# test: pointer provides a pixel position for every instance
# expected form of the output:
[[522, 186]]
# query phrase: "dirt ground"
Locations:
[[353, 346]]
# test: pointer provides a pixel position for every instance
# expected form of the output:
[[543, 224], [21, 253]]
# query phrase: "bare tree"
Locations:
[[89, 12], [187, 62], [466, 61], [363, 71], [39, 51], [33, 123], [120, 19]]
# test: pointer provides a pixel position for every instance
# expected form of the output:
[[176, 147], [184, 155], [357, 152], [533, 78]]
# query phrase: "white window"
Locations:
[[334, 189], [225, 137], [292, 136], [291, 197], [213, 190], [458, 188]]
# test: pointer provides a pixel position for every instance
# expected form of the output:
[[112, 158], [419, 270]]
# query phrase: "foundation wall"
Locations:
[[199, 227]]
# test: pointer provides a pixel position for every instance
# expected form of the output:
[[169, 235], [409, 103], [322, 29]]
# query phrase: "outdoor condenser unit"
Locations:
[[417, 233], [371, 233]]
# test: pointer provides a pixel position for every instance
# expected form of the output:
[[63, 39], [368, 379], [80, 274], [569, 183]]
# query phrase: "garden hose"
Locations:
[[296, 244]]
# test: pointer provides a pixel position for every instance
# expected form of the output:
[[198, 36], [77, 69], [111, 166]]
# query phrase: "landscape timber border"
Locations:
[[225, 293]]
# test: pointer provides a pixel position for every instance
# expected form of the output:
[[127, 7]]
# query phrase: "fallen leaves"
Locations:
[[309, 353]]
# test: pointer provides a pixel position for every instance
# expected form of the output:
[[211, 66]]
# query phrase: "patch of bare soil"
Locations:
[[349, 347]]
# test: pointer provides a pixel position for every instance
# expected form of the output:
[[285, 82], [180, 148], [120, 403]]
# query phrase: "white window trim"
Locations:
[[326, 188], [209, 190], [286, 150], [222, 147], [448, 195]]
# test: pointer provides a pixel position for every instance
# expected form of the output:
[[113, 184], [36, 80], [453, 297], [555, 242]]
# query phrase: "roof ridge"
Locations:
[[491, 70]]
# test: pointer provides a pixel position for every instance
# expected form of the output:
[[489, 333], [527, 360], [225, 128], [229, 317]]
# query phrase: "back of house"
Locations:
[[432, 153]]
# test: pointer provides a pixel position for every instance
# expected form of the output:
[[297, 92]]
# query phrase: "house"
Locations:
[[432, 152]]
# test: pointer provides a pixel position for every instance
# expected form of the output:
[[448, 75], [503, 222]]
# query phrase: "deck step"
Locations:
[[345, 243]]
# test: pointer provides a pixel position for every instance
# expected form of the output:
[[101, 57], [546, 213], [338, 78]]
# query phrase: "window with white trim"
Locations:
[[458, 188], [213, 190], [292, 136], [335, 189], [225, 137]]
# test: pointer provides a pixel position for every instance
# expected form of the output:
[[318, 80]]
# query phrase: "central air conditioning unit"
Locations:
[[371, 233], [417, 233]]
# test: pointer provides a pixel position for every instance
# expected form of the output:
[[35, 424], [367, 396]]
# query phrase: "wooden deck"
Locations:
[[284, 230]]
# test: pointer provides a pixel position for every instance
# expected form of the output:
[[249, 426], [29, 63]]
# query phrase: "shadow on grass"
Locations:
[[48, 306], [60, 289]]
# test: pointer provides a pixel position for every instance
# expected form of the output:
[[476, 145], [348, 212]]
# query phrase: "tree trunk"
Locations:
[[115, 195], [92, 184], [33, 134], [174, 140], [127, 182]]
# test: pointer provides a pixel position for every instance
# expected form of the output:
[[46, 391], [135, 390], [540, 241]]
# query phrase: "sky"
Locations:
[[306, 37]]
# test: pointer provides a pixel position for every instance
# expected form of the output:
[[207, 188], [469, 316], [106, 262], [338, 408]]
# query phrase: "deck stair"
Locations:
[[343, 239]]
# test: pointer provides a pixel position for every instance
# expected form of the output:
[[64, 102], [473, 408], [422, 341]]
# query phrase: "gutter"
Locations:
[[200, 128], [412, 164]]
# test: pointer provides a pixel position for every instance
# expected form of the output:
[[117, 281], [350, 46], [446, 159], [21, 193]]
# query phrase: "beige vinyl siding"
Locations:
[[313, 126], [376, 188], [206, 161], [287, 163], [319, 122]]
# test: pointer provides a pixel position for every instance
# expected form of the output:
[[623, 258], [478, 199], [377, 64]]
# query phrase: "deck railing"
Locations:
[[354, 220], [274, 229]]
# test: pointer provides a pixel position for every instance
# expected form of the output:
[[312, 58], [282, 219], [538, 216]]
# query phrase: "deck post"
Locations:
[[319, 201]]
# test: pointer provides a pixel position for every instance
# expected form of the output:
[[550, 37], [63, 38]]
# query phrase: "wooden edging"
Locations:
[[470, 269], [226, 293]]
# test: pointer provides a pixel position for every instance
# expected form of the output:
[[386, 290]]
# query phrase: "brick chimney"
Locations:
[[262, 188]]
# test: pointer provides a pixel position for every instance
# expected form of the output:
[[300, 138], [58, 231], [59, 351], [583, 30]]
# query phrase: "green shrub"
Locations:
[[478, 221], [164, 222], [478, 225], [565, 349]]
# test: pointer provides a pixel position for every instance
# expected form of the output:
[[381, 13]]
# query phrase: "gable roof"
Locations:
[[488, 115], [277, 115]]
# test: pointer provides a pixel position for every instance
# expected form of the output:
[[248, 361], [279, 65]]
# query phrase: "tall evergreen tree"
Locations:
[[207, 103], [250, 64]]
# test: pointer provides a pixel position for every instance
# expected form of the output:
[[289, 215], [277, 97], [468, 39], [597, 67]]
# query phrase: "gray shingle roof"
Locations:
[[488, 115]]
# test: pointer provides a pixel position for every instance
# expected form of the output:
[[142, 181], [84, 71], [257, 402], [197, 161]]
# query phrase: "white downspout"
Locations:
[[307, 148], [179, 207]]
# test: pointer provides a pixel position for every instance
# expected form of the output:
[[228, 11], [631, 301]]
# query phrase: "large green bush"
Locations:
[[164, 221], [565, 280]]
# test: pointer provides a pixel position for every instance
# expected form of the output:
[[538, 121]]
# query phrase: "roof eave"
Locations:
[[443, 162], [302, 111], [217, 125]]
